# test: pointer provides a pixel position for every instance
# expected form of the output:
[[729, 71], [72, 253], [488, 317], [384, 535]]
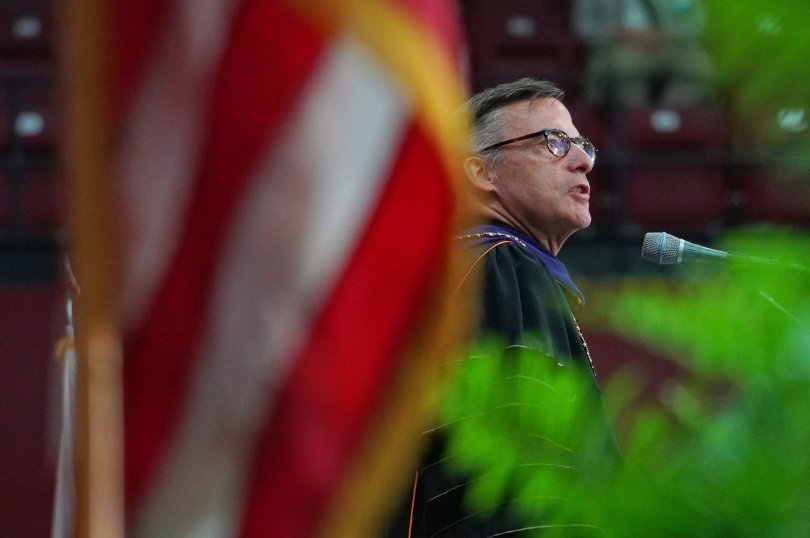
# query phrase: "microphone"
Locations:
[[662, 248]]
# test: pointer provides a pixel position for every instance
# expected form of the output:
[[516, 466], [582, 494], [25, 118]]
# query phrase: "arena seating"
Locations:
[[513, 38], [29, 327], [31, 193], [31, 211], [690, 171], [779, 195], [26, 29], [675, 177]]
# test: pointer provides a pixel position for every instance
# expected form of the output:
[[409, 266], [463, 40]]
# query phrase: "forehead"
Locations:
[[528, 116]]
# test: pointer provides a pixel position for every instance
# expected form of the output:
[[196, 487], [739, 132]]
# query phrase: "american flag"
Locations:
[[288, 193]]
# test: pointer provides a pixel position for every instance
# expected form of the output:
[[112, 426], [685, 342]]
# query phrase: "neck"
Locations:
[[552, 243]]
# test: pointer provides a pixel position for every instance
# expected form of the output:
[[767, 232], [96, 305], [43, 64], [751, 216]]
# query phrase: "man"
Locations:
[[529, 175]]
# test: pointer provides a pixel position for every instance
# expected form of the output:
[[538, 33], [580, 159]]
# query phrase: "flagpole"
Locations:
[[90, 191]]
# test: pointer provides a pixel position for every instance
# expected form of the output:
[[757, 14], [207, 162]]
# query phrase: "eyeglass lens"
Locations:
[[560, 144]]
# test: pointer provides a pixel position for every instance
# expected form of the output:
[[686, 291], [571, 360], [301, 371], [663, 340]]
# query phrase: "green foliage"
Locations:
[[724, 454], [521, 425], [759, 53], [725, 326]]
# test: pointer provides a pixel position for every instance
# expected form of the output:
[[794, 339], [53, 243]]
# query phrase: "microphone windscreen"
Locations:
[[661, 248]]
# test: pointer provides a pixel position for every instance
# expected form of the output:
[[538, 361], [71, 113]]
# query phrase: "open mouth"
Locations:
[[581, 189]]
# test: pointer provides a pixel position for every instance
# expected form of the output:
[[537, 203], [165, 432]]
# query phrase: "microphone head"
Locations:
[[661, 248]]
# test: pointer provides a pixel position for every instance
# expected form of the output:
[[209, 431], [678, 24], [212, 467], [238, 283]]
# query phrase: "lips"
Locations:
[[582, 189]]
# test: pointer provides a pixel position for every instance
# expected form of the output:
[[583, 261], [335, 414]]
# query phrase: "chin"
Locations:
[[584, 221]]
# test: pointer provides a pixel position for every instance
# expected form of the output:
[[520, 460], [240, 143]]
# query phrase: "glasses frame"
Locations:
[[579, 141]]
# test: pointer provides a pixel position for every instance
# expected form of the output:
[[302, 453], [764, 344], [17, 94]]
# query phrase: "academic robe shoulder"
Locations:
[[523, 305]]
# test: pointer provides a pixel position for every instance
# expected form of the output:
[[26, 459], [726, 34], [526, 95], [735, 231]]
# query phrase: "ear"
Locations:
[[480, 174]]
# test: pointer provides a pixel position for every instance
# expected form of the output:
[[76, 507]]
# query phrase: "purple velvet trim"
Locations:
[[557, 268]]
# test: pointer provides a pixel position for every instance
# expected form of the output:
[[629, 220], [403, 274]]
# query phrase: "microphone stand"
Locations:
[[660, 247], [768, 297], [766, 262], [781, 308]]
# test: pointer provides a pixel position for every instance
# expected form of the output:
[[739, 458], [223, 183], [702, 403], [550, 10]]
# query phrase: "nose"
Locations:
[[579, 160]]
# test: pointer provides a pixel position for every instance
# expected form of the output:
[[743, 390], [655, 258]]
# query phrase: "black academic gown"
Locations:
[[522, 304]]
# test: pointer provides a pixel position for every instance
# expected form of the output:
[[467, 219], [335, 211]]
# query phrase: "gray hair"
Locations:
[[486, 108]]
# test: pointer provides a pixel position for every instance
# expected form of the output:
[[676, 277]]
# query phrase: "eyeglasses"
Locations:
[[559, 143]]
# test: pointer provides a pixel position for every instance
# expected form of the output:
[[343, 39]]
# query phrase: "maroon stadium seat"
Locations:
[[30, 324], [675, 178], [779, 195], [675, 198], [25, 28], [44, 203], [33, 119], [5, 204], [698, 129], [4, 123], [514, 38]]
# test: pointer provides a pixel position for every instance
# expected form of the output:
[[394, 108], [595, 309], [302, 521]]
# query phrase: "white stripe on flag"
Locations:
[[161, 143], [294, 233]]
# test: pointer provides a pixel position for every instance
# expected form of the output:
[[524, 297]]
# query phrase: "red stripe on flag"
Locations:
[[255, 90], [138, 26], [341, 375]]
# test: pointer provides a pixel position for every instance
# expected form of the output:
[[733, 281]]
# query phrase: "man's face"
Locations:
[[545, 194]]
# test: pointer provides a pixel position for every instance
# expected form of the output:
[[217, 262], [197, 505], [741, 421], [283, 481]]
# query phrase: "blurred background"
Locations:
[[699, 112]]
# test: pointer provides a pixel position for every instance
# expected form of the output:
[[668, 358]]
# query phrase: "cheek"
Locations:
[[529, 183]]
